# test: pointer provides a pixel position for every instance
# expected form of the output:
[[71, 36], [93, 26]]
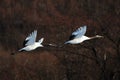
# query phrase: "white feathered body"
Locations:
[[78, 40], [32, 47]]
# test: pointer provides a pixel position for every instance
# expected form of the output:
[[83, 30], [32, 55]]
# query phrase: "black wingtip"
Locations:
[[24, 42], [72, 37]]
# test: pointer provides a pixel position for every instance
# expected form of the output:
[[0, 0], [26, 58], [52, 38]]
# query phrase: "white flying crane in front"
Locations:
[[78, 36]]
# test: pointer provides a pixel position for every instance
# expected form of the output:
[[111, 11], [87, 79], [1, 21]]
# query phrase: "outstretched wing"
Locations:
[[30, 39], [78, 33]]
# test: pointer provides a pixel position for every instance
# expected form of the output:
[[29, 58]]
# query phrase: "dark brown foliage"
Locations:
[[97, 59]]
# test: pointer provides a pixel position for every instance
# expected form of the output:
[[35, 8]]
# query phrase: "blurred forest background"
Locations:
[[55, 20]]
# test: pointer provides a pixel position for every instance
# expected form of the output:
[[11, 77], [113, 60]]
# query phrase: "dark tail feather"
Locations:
[[13, 53]]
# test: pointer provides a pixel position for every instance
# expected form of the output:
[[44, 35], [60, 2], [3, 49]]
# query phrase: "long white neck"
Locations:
[[97, 36]]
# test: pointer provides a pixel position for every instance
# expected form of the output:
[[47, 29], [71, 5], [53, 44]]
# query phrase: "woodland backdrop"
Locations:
[[55, 20]]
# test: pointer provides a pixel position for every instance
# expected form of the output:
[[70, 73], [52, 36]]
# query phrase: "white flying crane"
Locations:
[[78, 36], [30, 44]]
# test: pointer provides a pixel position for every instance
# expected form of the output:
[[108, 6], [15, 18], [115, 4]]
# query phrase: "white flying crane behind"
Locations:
[[30, 42]]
